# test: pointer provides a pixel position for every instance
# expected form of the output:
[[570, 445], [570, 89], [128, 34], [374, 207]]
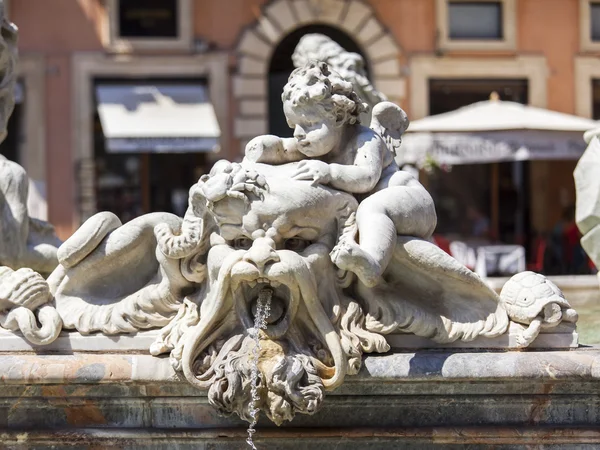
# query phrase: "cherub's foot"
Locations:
[[347, 255]]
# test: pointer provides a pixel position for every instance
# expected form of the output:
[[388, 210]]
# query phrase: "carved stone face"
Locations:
[[316, 133], [280, 239], [280, 242]]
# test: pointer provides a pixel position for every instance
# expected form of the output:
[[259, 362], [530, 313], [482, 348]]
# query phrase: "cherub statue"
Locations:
[[337, 151]]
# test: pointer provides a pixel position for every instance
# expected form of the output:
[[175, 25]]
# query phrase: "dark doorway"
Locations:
[[10, 147], [448, 95], [596, 99], [281, 66]]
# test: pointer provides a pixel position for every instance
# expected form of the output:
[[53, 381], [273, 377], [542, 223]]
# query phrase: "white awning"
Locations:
[[157, 118], [475, 148], [498, 115], [495, 131]]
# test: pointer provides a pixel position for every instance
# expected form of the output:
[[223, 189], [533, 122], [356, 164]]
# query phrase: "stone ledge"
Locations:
[[438, 366], [422, 400], [290, 438], [563, 336]]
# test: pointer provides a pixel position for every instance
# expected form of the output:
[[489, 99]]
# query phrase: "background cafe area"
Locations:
[[153, 140], [501, 175]]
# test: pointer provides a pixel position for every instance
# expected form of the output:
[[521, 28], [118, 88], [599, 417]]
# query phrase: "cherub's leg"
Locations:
[[404, 210], [377, 234]]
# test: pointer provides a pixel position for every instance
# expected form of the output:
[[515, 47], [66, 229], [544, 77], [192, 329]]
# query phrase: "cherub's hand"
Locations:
[[314, 170]]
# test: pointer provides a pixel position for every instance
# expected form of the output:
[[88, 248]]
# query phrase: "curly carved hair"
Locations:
[[317, 85]]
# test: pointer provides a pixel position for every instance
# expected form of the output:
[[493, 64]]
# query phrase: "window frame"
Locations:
[[587, 68], [585, 27], [423, 67], [509, 29], [88, 66], [117, 44]]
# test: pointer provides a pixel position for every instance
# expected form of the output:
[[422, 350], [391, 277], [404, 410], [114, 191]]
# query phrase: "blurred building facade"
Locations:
[[430, 56]]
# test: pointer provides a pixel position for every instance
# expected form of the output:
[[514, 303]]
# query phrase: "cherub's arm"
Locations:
[[361, 177], [269, 149]]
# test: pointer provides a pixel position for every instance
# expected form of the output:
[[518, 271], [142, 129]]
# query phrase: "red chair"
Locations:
[[539, 250], [442, 243]]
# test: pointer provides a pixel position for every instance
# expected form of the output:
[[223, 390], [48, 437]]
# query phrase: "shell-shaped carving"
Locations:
[[526, 294], [22, 287]]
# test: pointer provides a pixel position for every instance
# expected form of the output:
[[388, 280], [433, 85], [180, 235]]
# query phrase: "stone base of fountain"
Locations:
[[422, 399]]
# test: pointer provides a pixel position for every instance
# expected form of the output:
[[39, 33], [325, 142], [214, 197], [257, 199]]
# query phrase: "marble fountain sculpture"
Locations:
[[286, 270], [321, 227]]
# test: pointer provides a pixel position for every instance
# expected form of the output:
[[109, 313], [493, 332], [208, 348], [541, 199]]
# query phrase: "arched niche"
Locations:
[[279, 19]]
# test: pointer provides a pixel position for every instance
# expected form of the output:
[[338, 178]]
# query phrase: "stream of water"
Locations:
[[263, 309]]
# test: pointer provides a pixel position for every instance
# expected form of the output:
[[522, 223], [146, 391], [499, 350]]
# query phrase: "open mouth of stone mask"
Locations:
[[282, 302]]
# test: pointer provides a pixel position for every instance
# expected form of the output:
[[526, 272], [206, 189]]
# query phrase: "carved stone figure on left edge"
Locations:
[[28, 246], [24, 241]]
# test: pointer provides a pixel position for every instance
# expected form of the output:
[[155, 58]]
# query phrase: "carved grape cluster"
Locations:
[[231, 180]]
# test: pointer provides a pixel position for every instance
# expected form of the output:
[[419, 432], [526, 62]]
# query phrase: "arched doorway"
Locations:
[[280, 20], [281, 66]]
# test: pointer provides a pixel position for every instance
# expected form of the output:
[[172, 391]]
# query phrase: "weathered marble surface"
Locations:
[[416, 400]]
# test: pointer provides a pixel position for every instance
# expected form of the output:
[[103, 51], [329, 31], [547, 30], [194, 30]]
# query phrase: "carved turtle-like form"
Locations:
[[531, 299]]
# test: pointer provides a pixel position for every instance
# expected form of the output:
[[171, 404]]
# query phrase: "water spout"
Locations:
[[263, 310]]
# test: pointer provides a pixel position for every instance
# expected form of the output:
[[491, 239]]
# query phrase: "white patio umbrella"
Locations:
[[495, 131]]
